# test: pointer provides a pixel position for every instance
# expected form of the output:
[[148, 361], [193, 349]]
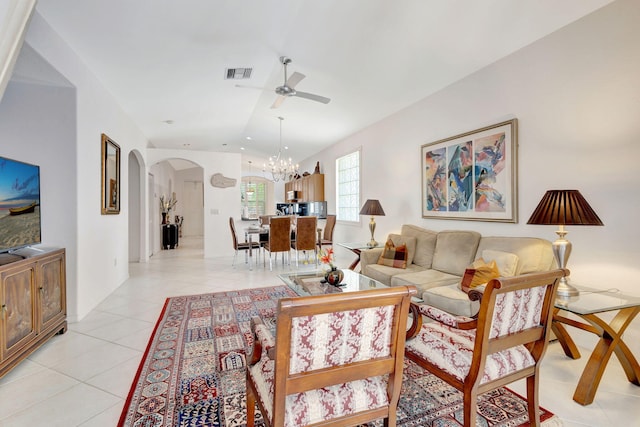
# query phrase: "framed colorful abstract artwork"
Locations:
[[472, 176]]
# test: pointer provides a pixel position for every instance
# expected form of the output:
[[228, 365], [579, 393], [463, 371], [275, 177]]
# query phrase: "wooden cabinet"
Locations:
[[310, 188], [33, 305]]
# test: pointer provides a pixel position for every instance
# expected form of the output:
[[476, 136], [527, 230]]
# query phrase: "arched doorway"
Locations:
[[136, 204], [181, 180]]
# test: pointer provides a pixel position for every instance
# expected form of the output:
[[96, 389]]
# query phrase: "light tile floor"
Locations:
[[82, 378]]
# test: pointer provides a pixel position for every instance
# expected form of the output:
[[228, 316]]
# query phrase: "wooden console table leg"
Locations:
[[355, 263], [610, 342], [565, 340]]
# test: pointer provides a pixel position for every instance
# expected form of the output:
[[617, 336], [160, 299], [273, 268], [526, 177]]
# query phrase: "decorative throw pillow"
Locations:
[[408, 241], [507, 262], [479, 273], [393, 256]]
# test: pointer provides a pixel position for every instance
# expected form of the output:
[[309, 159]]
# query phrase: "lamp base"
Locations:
[[372, 228], [565, 290]]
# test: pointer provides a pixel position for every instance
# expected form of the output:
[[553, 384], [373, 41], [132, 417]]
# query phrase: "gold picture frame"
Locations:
[[472, 176], [110, 192]]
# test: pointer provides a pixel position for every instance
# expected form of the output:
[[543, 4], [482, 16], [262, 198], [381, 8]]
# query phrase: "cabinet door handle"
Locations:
[[3, 309]]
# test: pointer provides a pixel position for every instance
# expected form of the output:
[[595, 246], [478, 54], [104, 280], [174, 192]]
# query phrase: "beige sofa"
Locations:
[[436, 262]]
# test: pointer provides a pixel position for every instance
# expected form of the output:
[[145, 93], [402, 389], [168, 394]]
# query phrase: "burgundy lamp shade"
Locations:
[[564, 207]]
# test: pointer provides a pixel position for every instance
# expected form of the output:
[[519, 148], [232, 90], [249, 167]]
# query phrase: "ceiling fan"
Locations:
[[288, 88]]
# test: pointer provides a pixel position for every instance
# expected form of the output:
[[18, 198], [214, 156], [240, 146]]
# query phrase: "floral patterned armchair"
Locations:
[[504, 343], [335, 359]]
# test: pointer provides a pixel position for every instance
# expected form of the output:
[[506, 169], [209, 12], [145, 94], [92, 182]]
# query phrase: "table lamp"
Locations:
[[372, 207], [564, 207]]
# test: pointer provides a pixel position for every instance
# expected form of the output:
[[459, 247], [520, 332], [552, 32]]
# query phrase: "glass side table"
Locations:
[[356, 248], [588, 305]]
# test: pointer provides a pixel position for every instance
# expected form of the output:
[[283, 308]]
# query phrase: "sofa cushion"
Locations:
[[507, 262], [425, 244], [393, 256], [408, 241], [452, 300], [455, 250], [534, 254], [424, 279], [383, 274]]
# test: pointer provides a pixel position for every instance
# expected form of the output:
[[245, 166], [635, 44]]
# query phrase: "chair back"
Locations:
[[279, 234], [264, 220], [342, 338], [306, 233], [328, 228], [515, 311], [232, 225]]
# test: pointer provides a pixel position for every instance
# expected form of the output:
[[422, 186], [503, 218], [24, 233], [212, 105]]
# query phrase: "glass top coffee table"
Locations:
[[312, 283]]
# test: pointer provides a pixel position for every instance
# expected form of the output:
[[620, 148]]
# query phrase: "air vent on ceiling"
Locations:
[[238, 73]]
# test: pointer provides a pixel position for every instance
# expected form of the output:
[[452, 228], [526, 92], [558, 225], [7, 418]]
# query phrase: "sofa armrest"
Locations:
[[369, 256]]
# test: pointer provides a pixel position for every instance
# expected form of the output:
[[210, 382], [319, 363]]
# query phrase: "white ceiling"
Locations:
[[165, 60]]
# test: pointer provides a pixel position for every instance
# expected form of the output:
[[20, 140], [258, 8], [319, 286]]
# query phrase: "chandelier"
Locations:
[[280, 168]]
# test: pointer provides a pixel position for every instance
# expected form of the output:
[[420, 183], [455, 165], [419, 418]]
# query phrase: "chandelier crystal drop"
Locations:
[[280, 169]]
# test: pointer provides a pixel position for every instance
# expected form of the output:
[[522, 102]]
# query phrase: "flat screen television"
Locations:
[[20, 224]]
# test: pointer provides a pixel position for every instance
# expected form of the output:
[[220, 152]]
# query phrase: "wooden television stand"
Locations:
[[33, 305]]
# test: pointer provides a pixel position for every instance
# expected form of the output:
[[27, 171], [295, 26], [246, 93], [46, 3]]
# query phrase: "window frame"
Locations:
[[356, 207], [254, 212]]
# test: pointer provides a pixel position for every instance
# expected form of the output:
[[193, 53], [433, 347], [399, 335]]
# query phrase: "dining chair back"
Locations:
[[503, 344], [279, 238], [336, 359], [326, 238], [305, 237], [241, 246]]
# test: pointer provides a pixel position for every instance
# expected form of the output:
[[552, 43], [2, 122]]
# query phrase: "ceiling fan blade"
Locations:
[[279, 100], [295, 78], [312, 97]]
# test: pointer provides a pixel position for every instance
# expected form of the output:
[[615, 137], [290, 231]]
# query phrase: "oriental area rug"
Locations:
[[193, 371]]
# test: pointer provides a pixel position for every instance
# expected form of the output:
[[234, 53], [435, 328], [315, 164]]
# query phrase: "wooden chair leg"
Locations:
[[532, 400], [251, 406], [470, 410]]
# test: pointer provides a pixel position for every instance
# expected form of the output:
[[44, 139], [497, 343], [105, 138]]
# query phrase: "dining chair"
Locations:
[[241, 246], [504, 343], [264, 219], [326, 238], [336, 359], [305, 237], [279, 239]]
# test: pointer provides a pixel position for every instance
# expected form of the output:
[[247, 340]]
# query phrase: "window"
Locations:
[[254, 196], [348, 187]]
